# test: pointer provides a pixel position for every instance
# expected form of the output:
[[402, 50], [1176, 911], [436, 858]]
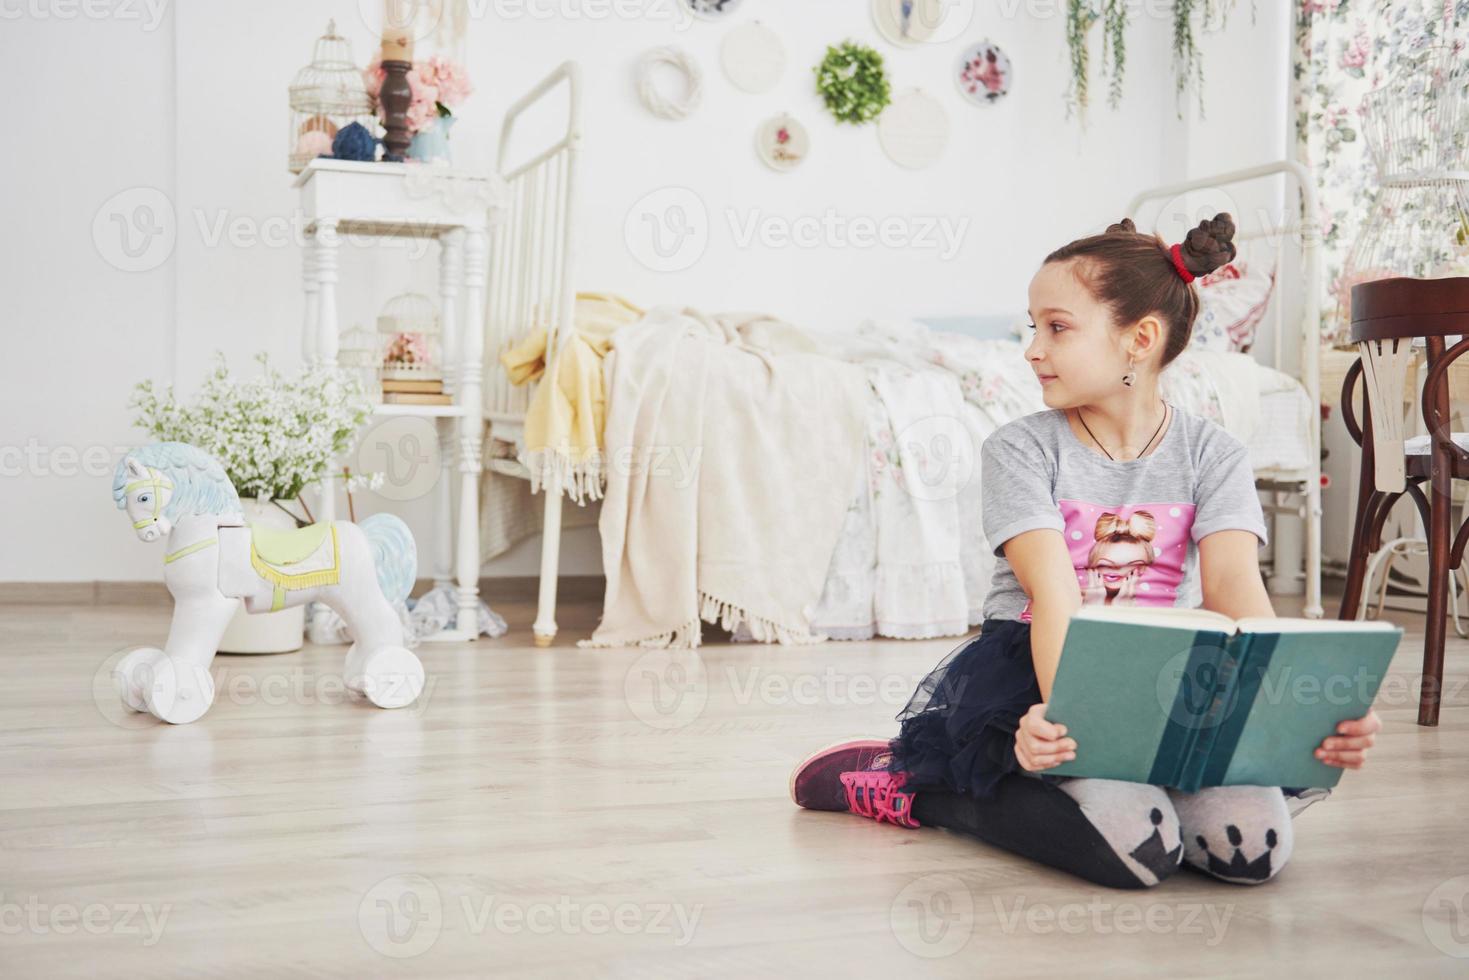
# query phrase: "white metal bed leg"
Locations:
[[545, 624]]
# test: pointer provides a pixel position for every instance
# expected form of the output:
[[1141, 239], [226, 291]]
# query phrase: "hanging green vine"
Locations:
[[1079, 20], [1114, 39], [1080, 16], [1188, 67], [1189, 16], [852, 83]]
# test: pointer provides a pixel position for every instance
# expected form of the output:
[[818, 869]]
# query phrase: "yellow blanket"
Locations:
[[565, 421]]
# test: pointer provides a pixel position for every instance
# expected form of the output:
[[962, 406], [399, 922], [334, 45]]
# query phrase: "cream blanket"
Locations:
[[732, 447]]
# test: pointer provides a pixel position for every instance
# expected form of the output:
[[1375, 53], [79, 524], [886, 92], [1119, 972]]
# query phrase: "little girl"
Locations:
[[1110, 496]]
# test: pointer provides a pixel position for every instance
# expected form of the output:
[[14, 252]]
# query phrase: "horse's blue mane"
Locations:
[[200, 485]]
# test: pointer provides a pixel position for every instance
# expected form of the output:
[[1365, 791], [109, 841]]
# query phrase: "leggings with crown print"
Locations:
[[1124, 835]]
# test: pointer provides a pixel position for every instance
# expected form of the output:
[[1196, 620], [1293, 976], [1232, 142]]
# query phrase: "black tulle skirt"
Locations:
[[958, 729]]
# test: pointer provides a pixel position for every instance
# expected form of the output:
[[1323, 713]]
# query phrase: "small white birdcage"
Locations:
[[326, 95], [1419, 223], [360, 355], [409, 339]]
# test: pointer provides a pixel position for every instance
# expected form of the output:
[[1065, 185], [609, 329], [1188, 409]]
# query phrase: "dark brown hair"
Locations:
[[1132, 274]]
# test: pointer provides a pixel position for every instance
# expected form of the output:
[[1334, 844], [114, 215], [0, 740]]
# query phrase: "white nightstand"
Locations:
[[455, 208]]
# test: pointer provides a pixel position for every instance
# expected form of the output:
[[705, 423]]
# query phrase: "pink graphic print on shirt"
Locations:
[[1130, 555]]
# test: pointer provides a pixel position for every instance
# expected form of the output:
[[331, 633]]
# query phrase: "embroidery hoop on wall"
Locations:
[[654, 100], [712, 9], [768, 146], [914, 129], [754, 58], [940, 21], [1002, 62]]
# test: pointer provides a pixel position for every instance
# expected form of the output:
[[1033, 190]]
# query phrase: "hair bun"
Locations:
[[1124, 225], [1210, 245]]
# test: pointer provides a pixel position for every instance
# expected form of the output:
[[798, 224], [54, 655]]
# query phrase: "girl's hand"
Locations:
[[1040, 744], [1094, 590], [1348, 748]]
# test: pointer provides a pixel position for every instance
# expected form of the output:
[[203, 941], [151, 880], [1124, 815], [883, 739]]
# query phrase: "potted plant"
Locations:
[[274, 436]]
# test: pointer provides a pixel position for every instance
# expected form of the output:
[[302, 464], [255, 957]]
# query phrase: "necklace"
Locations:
[[1088, 429]]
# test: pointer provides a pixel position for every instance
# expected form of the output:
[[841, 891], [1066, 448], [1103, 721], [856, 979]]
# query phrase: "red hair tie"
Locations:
[[1176, 255]]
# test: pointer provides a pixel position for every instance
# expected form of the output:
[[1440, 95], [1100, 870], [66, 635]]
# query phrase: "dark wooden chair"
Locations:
[[1387, 316]]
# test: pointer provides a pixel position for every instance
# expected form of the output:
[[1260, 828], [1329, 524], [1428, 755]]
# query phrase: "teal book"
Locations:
[[1190, 698]]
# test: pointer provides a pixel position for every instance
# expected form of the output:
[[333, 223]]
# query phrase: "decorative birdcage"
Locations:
[[360, 355], [1414, 129], [325, 96], [409, 339]]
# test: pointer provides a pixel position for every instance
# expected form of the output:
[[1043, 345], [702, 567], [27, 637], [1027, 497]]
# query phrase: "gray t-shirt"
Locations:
[[1131, 526]]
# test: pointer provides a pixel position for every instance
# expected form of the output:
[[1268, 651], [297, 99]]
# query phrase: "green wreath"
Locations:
[[851, 80]]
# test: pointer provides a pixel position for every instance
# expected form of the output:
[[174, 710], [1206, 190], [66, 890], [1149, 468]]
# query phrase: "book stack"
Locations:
[[417, 392]]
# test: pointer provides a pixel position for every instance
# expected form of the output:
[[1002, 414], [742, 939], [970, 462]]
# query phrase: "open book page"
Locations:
[[1174, 618], [1286, 624], [1207, 619]]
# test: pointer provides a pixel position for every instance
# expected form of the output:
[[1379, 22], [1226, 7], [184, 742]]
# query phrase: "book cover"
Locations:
[[1190, 698]]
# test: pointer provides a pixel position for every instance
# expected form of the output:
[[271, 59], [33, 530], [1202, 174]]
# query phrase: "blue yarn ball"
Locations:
[[354, 142]]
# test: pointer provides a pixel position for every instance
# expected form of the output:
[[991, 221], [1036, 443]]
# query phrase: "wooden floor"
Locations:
[[572, 813]]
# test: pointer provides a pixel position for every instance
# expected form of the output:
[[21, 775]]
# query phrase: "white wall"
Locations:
[[195, 107]]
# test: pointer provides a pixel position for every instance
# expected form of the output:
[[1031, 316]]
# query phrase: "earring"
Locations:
[[1131, 374]]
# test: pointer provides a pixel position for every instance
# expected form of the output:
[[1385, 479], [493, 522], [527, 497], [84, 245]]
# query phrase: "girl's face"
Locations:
[[1119, 560], [1075, 350]]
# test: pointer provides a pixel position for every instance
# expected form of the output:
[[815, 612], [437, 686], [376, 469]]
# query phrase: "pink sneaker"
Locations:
[[853, 776]]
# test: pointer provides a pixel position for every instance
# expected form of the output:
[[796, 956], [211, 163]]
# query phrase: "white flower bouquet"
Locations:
[[273, 436]]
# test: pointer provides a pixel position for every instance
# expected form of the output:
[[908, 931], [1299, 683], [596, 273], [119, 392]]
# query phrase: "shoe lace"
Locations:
[[879, 796]]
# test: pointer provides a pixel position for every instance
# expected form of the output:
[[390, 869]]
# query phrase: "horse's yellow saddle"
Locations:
[[299, 558]]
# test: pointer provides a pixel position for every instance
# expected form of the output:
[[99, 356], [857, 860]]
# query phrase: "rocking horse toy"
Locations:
[[175, 492]]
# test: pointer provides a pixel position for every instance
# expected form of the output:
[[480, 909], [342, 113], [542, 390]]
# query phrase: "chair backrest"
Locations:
[[1388, 316]]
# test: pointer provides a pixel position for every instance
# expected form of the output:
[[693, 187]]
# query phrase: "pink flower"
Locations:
[[449, 77], [1355, 55]]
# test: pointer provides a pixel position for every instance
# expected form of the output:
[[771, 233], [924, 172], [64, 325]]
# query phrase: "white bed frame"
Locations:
[[532, 268], [530, 284], [1304, 485]]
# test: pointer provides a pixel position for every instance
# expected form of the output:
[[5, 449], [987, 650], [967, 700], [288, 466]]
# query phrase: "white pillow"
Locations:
[[1232, 301]]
